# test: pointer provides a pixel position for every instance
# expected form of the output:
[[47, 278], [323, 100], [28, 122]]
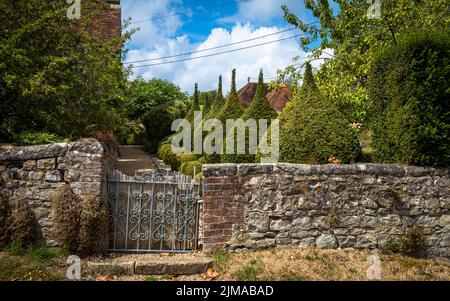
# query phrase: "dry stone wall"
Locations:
[[250, 206], [35, 173]]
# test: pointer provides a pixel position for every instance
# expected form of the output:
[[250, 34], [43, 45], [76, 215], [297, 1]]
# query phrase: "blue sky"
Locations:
[[179, 26]]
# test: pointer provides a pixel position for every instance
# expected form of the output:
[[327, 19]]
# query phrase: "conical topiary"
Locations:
[[312, 130], [232, 109], [217, 104], [259, 109], [195, 106], [206, 105]]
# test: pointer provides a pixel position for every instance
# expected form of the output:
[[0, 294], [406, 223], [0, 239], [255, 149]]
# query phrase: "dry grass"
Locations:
[[315, 264]]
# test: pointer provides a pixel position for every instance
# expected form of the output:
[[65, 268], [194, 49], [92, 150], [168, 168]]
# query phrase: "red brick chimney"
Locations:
[[109, 20]]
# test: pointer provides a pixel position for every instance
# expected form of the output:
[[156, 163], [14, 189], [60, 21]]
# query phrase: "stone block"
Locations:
[[326, 241], [72, 175], [29, 165], [53, 176], [46, 164], [36, 175]]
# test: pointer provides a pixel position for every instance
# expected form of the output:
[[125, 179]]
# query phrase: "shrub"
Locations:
[[108, 140], [23, 230], [5, 220], [66, 218], [232, 109], [217, 104], [411, 243], [259, 109], [195, 106], [170, 158], [408, 85], [312, 130], [163, 149], [187, 168], [186, 157], [93, 226], [32, 138], [206, 105]]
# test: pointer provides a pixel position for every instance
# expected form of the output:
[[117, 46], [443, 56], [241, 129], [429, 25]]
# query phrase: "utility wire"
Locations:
[[186, 11], [212, 48], [216, 47], [218, 53]]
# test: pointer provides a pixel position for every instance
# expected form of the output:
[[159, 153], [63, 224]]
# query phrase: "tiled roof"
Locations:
[[277, 98]]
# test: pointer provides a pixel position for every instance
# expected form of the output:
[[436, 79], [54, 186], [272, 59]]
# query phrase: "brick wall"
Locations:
[[251, 206], [109, 21]]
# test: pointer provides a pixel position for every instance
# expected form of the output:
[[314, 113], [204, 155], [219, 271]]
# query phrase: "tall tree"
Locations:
[[350, 40], [55, 75], [195, 105], [218, 102], [260, 109], [156, 103]]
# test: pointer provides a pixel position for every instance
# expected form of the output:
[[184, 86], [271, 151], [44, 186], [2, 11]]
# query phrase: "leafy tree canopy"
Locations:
[[351, 40], [156, 103], [55, 74]]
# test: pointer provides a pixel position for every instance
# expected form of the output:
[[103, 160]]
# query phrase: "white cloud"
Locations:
[[205, 71], [163, 23], [260, 11]]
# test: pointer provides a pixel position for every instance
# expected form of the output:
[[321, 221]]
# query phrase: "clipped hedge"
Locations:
[[187, 157], [259, 109], [170, 158], [217, 104], [163, 149], [187, 168], [23, 225], [93, 233], [313, 131], [232, 109], [195, 106], [66, 212], [409, 86]]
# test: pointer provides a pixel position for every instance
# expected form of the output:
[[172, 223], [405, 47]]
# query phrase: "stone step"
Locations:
[[157, 266]]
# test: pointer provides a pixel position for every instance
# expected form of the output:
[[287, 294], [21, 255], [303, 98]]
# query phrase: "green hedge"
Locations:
[[259, 109], [409, 86], [163, 149], [187, 157], [195, 106], [217, 104], [313, 131], [171, 159], [187, 168], [232, 109]]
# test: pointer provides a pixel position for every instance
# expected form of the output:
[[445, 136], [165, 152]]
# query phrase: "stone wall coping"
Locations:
[[248, 169], [43, 151]]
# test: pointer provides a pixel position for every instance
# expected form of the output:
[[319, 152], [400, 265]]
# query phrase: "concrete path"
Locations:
[[133, 158], [153, 264]]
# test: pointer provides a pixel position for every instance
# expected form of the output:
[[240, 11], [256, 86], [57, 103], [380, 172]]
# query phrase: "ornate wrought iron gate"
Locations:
[[153, 212]]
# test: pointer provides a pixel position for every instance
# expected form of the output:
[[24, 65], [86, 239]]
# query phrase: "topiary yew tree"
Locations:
[[409, 86], [195, 106], [260, 109], [217, 104], [313, 131], [232, 109], [206, 105]]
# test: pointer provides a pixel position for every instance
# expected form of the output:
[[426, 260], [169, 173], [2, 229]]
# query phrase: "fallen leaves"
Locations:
[[211, 274]]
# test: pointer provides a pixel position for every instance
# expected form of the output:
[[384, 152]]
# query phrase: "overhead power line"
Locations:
[[216, 47], [185, 12], [212, 48], [219, 53]]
